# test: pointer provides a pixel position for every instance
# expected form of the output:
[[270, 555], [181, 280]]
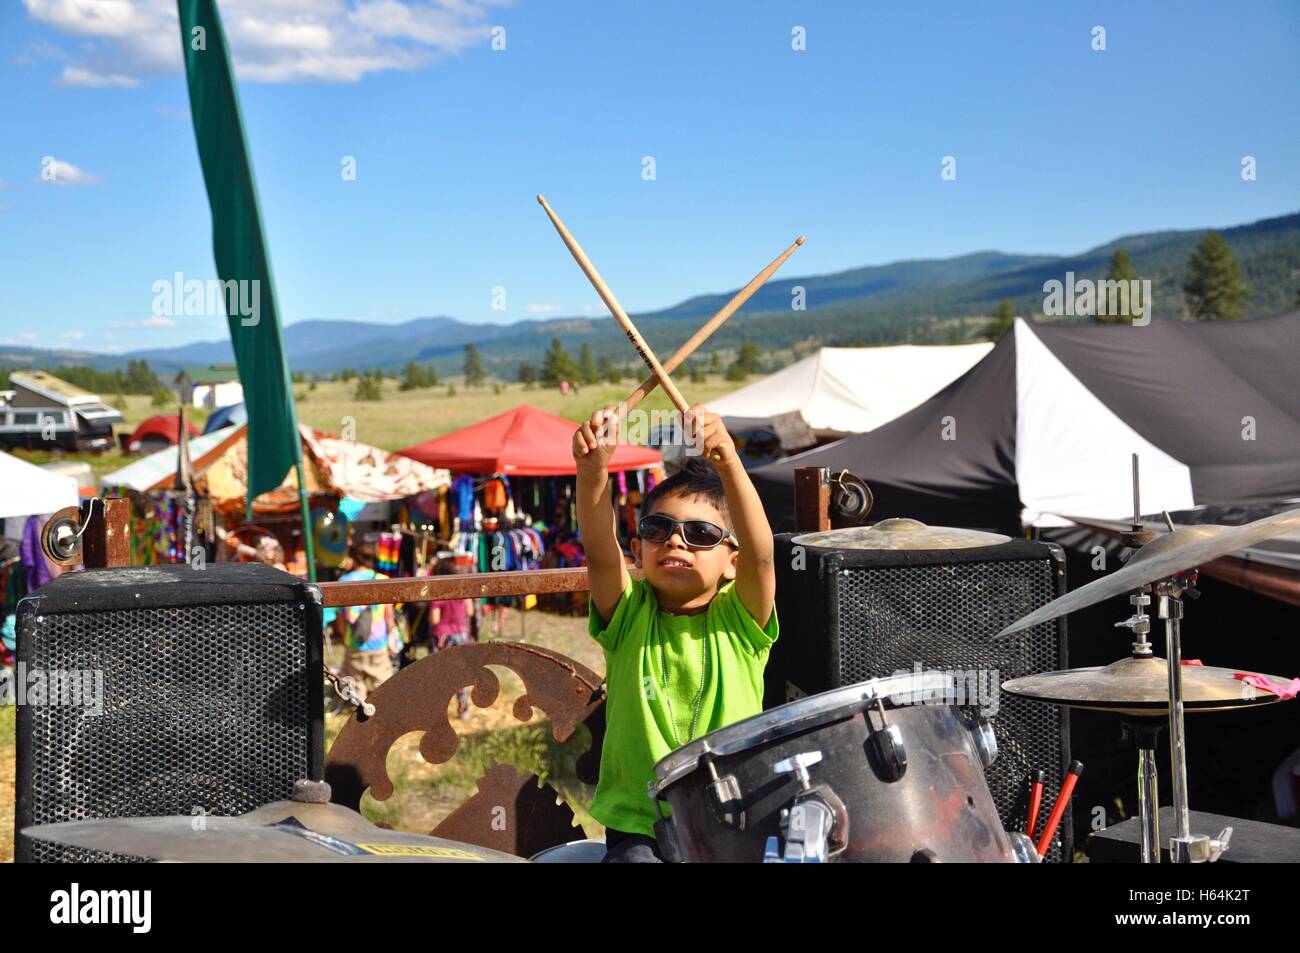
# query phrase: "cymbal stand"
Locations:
[[1144, 737], [1184, 847], [1139, 623]]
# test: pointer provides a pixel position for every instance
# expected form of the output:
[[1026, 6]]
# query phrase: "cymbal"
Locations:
[[1185, 548], [1140, 686], [900, 534], [284, 831]]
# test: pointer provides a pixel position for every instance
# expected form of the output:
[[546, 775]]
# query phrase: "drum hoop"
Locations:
[[796, 716]]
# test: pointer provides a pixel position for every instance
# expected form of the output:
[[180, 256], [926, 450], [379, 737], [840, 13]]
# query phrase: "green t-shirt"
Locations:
[[638, 732]]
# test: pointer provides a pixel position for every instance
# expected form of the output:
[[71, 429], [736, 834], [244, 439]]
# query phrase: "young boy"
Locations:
[[685, 647]]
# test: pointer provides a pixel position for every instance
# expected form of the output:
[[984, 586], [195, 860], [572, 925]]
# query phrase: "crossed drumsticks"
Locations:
[[659, 372]]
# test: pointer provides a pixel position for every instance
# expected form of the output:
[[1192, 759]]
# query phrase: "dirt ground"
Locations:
[[424, 793]]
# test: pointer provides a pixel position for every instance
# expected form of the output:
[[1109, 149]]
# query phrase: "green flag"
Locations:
[[243, 263]]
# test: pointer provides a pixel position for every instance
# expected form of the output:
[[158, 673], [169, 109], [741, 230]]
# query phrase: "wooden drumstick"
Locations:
[[616, 309], [699, 337]]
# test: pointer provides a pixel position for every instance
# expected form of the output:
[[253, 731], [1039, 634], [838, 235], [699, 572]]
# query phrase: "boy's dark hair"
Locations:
[[697, 477]]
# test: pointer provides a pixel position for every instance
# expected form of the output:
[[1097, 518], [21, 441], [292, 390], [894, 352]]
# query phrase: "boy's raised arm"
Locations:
[[593, 445], [755, 569]]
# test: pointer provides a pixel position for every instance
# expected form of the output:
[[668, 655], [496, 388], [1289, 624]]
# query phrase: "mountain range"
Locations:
[[922, 301]]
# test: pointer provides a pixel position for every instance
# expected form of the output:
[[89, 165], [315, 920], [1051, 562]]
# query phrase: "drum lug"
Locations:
[[724, 795], [888, 742], [724, 798], [891, 750], [986, 742]]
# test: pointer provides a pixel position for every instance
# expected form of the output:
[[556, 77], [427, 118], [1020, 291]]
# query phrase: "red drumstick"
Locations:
[[1058, 809], [1035, 800]]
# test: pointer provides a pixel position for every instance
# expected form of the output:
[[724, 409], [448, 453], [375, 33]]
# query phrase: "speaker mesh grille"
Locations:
[[204, 707], [942, 617]]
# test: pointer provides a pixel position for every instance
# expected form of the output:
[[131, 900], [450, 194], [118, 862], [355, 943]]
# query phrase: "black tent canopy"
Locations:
[[1044, 427]]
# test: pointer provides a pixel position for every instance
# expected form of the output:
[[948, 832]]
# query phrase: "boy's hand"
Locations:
[[708, 435], [596, 440]]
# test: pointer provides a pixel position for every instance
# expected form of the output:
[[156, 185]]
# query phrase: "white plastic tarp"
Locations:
[[848, 390]]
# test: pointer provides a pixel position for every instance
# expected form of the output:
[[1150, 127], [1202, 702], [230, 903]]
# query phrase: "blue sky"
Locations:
[[1058, 147]]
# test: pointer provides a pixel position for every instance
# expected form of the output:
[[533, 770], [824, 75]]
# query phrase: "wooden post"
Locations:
[[106, 543], [812, 499]]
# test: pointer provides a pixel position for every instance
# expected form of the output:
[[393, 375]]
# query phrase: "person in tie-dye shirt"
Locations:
[[365, 629]]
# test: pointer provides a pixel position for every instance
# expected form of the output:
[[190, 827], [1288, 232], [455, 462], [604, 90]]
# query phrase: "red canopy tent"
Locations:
[[523, 441], [162, 430]]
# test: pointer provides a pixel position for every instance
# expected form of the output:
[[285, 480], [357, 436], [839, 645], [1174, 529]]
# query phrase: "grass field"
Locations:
[[402, 418], [405, 418], [424, 794]]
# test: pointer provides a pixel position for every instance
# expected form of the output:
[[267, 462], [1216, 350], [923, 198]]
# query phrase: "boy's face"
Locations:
[[680, 570]]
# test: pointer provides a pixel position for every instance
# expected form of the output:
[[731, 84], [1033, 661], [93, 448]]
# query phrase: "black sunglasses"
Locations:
[[658, 528]]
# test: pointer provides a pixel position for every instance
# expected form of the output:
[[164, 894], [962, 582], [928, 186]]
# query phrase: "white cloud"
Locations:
[[78, 76], [153, 321], [57, 172], [121, 42], [72, 335], [542, 308]]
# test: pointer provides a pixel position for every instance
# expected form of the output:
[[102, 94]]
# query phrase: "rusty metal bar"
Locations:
[[458, 586], [812, 499], [105, 543]]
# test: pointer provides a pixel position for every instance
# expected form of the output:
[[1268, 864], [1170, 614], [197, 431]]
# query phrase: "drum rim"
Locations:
[[793, 717]]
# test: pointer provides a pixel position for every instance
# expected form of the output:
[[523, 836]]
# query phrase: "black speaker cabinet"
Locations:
[[850, 615], [164, 690]]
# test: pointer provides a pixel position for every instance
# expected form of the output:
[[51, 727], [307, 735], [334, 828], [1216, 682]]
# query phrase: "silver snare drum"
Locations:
[[882, 771]]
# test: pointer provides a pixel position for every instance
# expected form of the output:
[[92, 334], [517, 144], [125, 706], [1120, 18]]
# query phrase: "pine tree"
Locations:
[[715, 363], [558, 365], [368, 388], [1004, 316], [527, 374], [1213, 287], [746, 362], [1129, 302], [586, 365], [608, 370], [139, 378], [473, 367], [417, 375]]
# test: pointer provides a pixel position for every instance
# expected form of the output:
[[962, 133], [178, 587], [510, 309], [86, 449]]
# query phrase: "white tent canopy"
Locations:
[[849, 390], [27, 490]]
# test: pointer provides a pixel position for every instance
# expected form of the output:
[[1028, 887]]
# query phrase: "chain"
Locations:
[[345, 688], [699, 696]]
